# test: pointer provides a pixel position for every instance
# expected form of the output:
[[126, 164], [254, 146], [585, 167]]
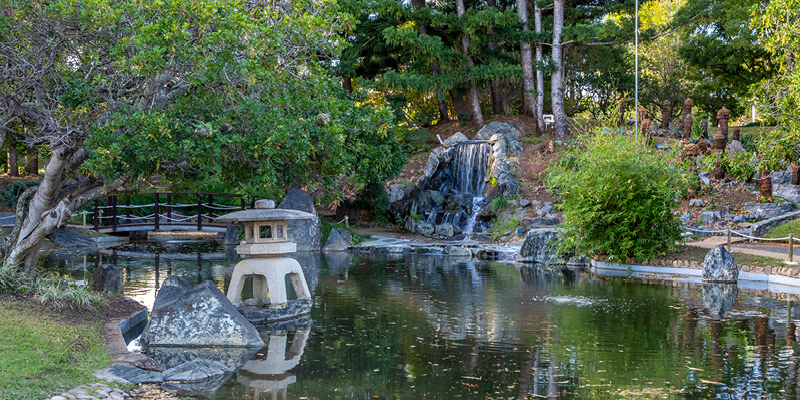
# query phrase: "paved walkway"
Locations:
[[741, 245]]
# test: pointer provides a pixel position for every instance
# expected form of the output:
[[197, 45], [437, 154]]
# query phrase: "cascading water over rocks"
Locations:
[[460, 177]]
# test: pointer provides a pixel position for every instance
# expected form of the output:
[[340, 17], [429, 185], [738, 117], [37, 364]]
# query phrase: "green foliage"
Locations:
[[741, 166], [499, 228], [499, 204], [10, 194], [375, 199], [9, 280], [415, 217], [778, 146], [327, 227], [697, 130], [60, 294], [618, 197]]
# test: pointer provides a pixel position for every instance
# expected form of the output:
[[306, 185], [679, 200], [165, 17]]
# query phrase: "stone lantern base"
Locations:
[[269, 302]]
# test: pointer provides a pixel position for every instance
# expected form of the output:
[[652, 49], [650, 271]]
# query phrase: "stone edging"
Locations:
[[695, 265], [769, 275], [762, 227]]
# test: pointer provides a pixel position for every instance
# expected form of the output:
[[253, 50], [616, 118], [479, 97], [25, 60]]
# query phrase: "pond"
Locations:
[[414, 326]]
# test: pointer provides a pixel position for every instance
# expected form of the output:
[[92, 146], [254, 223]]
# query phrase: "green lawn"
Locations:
[[693, 253], [41, 356], [780, 231]]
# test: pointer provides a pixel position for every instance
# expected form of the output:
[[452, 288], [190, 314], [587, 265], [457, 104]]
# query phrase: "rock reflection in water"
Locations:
[[718, 298]]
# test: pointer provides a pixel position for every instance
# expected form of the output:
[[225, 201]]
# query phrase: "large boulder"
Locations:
[[305, 232], [455, 139], [65, 238], [232, 235], [445, 229], [425, 228], [200, 316], [136, 375], [106, 279], [337, 241], [719, 298], [719, 266], [502, 128], [537, 246]]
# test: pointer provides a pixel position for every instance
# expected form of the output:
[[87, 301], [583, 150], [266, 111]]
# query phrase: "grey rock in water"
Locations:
[[425, 228], [171, 289], [200, 316], [718, 298], [305, 232], [457, 251], [719, 266], [65, 238], [537, 246], [196, 370], [336, 241], [136, 375], [106, 279], [148, 364], [445, 230]]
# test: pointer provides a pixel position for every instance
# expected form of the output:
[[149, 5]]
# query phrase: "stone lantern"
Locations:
[[266, 243]]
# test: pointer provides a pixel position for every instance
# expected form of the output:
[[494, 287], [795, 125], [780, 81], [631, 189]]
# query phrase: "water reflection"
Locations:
[[414, 326]]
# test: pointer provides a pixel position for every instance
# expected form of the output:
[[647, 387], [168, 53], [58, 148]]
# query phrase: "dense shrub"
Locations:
[[375, 199], [618, 196], [10, 194]]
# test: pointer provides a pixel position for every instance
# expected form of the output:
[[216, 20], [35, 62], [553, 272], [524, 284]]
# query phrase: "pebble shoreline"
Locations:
[[94, 391]]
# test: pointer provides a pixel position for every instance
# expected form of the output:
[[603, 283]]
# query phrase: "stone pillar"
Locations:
[[642, 117], [736, 131], [687, 119], [666, 116], [621, 120], [764, 184]]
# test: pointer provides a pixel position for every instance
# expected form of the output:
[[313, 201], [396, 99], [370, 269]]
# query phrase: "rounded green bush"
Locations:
[[618, 196]]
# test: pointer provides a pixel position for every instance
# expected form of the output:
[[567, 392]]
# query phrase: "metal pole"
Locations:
[[791, 247], [156, 211], [636, 41]]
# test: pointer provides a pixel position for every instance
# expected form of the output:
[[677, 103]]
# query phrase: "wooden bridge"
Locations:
[[158, 215]]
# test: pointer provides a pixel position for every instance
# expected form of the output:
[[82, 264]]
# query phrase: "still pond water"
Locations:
[[430, 327]]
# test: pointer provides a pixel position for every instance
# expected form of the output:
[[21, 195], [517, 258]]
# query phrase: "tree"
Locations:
[[117, 91], [529, 103], [557, 77]]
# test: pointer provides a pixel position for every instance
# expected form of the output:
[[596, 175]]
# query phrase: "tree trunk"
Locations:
[[557, 78], [32, 163], [499, 106], [537, 20], [347, 83], [13, 167], [473, 97], [459, 105], [765, 184], [526, 59]]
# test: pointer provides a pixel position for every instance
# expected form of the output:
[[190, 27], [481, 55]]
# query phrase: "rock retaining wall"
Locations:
[[791, 272], [760, 228]]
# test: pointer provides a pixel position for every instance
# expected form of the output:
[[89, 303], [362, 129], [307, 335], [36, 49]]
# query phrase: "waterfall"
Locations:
[[470, 164]]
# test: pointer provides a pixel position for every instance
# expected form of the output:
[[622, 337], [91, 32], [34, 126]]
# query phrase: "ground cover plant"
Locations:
[[42, 355], [618, 198]]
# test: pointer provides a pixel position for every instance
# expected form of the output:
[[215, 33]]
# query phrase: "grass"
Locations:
[[41, 356], [502, 227], [780, 231], [327, 227]]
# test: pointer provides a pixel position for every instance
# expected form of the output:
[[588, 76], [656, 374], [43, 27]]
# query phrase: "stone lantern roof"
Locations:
[[265, 229], [265, 211]]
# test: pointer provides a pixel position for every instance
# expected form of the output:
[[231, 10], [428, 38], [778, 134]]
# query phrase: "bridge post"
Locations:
[[113, 213], [242, 198], [199, 212], [128, 210], [95, 216], [156, 210], [169, 206], [210, 204]]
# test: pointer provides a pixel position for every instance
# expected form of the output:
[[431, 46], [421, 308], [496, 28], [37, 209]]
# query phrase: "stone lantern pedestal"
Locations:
[[266, 243]]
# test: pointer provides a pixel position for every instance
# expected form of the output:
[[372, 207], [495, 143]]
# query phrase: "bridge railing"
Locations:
[[116, 214]]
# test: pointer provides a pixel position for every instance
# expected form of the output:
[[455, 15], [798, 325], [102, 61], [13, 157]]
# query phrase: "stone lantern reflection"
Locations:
[[266, 243]]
